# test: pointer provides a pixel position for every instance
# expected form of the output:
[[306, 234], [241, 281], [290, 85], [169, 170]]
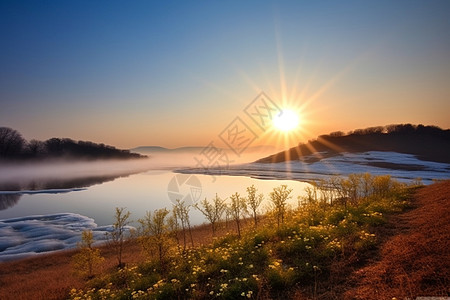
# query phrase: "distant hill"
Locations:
[[428, 143], [13, 147], [158, 149], [192, 149]]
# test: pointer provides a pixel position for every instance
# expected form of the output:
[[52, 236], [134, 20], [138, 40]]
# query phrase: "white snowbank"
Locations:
[[32, 235], [343, 165]]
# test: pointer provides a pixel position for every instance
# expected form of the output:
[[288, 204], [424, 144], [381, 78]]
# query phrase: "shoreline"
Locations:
[[403, 167]]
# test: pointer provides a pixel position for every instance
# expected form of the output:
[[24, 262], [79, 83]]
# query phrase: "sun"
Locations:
[[286, 120]]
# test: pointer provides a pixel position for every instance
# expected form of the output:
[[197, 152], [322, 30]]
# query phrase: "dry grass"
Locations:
[[416, 260], [46, 277], [51, 276]]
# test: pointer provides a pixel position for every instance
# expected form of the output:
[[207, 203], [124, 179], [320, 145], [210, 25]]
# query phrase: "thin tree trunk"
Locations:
[[184, 239], [238, 227], [190, 234]]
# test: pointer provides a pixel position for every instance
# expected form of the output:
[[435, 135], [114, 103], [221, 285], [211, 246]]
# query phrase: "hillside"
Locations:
[[159, 149], [193, 149], [428, 143]]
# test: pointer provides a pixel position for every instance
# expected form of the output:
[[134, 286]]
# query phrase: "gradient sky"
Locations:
[[172, 73]]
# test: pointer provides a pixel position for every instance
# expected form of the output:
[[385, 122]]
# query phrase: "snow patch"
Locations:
[[32, 235], [403, 167]]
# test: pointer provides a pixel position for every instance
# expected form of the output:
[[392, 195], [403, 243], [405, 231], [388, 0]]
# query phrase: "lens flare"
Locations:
[[286, 120]]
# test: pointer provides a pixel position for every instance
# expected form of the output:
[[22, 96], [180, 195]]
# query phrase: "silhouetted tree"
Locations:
[[337, 134], [400, 128], [358, 132], [36, 148], [11, 142], [54, 147]]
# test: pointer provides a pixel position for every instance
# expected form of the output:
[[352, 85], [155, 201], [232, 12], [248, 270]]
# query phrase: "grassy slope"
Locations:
[[413, 261]]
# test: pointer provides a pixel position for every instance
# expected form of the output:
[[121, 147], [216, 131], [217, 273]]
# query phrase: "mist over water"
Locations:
[[204, 156], [66, 175], [61, 169], [37, 175]]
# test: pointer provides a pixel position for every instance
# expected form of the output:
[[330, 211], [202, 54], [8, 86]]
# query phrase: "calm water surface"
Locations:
[[138, 193]]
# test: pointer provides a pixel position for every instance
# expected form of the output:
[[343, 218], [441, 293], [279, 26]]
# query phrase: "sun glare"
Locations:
[[286, 120]]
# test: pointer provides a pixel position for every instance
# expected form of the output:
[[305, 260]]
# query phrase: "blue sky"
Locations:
[[175, 73]]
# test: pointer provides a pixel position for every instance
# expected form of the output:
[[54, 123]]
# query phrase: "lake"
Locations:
[[138, 193], [35, 221]]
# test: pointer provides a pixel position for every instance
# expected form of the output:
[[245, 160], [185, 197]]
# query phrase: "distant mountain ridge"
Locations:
[[197, 149], [163, 149], [428, 143]]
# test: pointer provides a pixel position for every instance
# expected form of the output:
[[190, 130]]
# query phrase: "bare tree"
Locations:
[[311, 193], [337, 134], [36, 148], [212, 211], [354, 182], [88, 258], [253, 202], [116, 237], [173, 223], [279, 198], [366, 184], [11, 142], [156, 234], [181, 213], [237, 208]]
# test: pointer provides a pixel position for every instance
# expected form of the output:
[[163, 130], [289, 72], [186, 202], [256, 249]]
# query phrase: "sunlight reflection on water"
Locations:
[[138, 193]]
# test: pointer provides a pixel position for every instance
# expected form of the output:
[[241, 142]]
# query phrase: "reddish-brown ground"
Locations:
[[415, 261], [51, 276], [47, 276]]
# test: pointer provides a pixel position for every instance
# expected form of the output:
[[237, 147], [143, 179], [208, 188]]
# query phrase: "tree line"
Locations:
[[394, 129], [14, 147]]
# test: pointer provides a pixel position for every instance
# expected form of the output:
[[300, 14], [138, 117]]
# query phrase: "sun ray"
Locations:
[[248, 79], [296, 94], [280, 59]]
